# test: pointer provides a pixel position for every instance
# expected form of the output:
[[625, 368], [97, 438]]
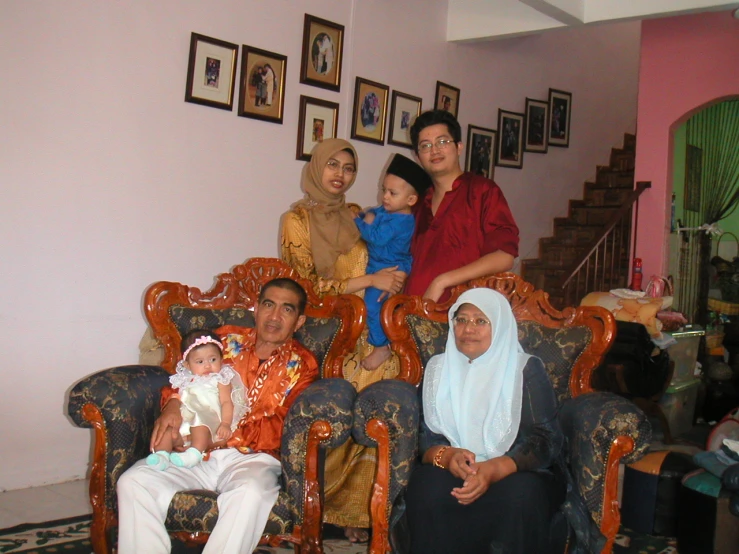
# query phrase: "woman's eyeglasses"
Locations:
[[441, 144], [336, 167], [464, 322]]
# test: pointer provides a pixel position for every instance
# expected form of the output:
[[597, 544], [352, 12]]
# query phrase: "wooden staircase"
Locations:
[[576, 235]]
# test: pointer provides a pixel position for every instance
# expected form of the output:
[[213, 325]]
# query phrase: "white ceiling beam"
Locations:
[[476, 20], [569, 12], [607, 10]]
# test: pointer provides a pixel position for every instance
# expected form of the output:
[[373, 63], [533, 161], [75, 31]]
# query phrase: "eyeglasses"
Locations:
[[441, 144], [464, 322], [336, 167]]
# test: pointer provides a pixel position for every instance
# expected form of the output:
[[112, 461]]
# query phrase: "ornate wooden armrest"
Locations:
[[603, 430], [386, 416], [121, 404], [321, 417]]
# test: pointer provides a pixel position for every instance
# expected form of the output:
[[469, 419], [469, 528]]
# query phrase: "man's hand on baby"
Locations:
[[369, 217]]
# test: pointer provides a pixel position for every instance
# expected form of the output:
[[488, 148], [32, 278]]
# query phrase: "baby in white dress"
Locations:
[[212, 402]]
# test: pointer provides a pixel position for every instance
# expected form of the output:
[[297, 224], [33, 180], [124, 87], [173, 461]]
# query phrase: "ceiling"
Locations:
[[479, 20]]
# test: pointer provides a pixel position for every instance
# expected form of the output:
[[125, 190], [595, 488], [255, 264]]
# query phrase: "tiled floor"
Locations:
[[44, 503]]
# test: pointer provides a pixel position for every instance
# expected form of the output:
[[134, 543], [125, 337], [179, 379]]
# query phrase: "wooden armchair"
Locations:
[[122, 403], [602, 429]]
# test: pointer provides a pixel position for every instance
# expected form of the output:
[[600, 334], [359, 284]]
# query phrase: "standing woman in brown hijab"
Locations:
[[321, 242]]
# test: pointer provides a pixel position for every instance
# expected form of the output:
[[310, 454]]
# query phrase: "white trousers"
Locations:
[[247, 485]]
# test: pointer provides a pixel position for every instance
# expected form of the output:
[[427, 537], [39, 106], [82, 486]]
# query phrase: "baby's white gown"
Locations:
[[201, 405]]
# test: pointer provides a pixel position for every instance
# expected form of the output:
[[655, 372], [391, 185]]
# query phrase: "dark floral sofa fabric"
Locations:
[[395, 403], [590, 423], [128, 400], [317, 334]]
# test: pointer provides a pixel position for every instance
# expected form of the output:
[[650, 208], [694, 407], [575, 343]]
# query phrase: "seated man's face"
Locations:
[[277, 316]]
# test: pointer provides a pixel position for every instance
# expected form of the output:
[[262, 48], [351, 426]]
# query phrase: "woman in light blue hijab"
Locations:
[[488, 440]]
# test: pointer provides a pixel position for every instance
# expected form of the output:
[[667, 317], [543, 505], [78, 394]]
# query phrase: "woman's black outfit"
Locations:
[[514, 514]]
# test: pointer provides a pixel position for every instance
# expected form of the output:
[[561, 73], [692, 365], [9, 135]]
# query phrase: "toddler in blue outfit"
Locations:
[[388, 230]]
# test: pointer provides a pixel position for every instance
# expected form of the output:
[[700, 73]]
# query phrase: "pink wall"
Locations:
[[110, 181], [686, 62]]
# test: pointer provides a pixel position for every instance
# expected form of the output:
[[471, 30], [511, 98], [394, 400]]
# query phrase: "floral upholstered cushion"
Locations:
[[559, 349], [317, 334], [429, 336]]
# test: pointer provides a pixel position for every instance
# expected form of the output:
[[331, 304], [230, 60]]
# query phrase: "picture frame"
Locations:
[[262, 85], [211, 72], [370, 111], [509, 152], [447, 98], [404, 109], [323, 53], [318, 120], [536, 137], [480, 151], [560, 110]]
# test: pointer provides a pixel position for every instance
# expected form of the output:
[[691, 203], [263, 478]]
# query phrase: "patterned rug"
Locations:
[[72, 536]]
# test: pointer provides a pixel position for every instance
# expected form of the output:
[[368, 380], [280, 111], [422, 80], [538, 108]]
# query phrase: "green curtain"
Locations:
[[715, 131]]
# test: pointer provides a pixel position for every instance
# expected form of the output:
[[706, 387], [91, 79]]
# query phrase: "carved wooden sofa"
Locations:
[[122, 403], [602, 429]]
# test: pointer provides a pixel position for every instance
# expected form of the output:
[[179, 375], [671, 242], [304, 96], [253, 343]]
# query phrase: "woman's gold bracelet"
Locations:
[[438, 455]]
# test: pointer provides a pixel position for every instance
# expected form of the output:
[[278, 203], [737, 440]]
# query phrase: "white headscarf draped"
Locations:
[[476, 404]]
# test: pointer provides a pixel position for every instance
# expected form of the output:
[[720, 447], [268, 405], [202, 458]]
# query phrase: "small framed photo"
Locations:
[[370, 111], [318, 120], [404, 109], [447, 98], [211, 72], [536, 138], [323, 47], [510, 141], [480, 158], [262, 90], [560, 108]]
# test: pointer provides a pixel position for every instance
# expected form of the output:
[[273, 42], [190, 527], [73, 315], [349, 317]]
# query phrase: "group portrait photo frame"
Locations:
[[536, 137], [370, 111]]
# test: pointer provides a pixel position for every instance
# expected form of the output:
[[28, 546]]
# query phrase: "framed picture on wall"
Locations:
[[323, 47], [404, 109], [370, 111], [211, 72], [318, 120], [536, 138], [262, 91], [446, 98], [560, 109], [480, 158], [509, 152]]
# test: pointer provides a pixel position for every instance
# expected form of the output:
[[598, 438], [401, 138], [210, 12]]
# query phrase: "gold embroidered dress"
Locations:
[[350, 469]]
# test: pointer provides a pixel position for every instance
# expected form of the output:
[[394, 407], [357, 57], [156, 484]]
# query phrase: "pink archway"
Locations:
[[687, 63]]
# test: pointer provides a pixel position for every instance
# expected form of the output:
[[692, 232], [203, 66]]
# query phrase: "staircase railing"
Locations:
[[606, 264]]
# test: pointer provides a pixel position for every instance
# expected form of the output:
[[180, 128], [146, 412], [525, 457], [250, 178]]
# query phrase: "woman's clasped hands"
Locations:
[[477, 476]]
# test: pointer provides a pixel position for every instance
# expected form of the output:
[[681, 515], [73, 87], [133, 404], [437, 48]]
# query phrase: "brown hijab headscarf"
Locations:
[[332, 228]]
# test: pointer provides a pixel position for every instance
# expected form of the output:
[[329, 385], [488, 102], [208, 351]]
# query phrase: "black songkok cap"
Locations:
[[411, 172]]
